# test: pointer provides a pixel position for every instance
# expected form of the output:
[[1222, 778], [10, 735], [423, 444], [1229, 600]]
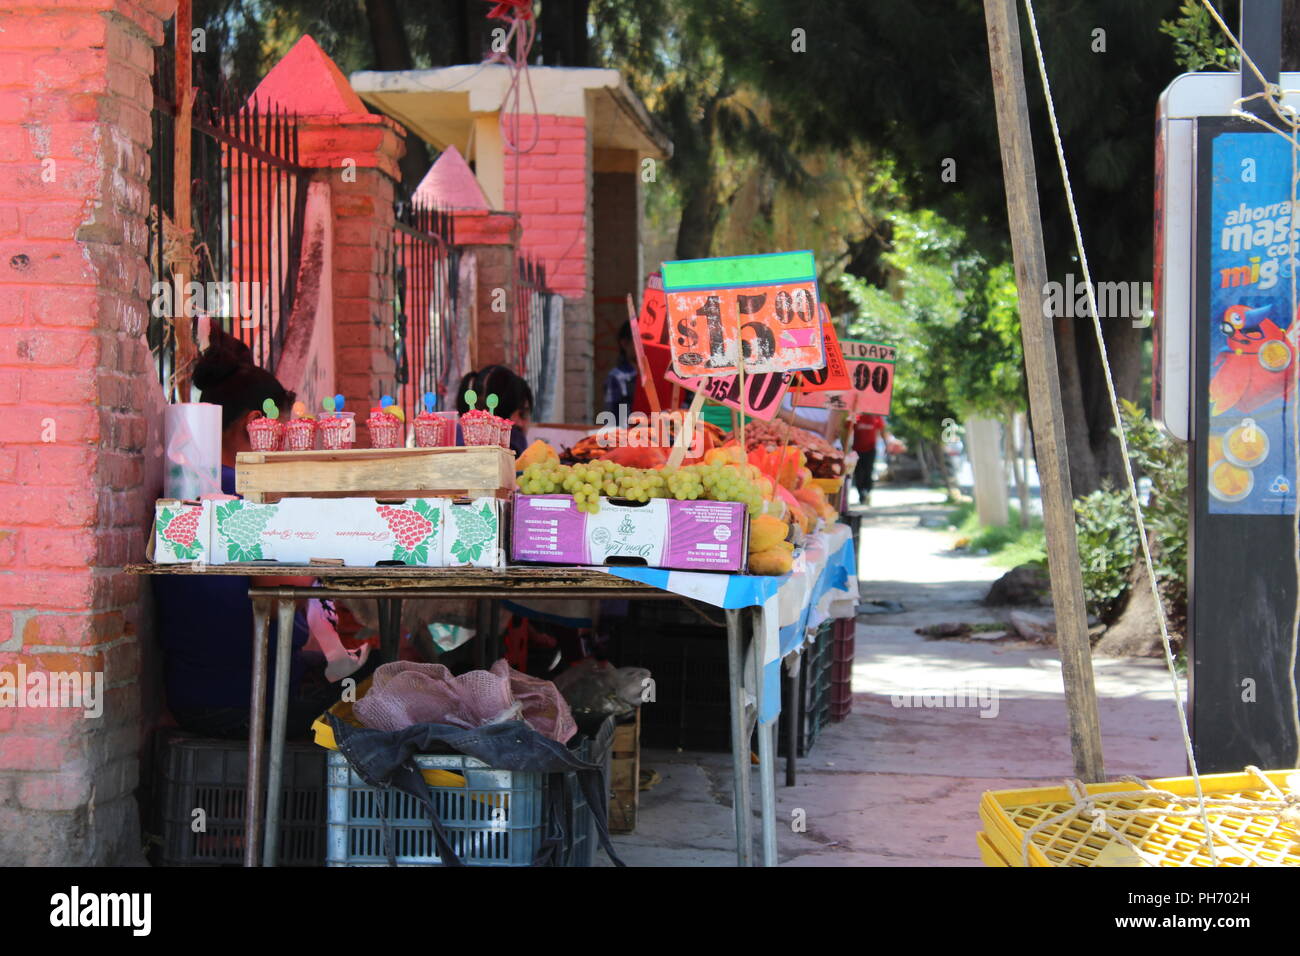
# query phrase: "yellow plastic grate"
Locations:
[[1162, 840]]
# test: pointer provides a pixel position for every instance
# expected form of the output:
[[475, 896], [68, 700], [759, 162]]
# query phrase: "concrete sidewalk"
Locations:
[[900, 786]]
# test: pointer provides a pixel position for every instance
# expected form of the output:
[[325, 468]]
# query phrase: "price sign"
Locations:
[[871, 370], [652, 323], [834, 375], [763, 392], [765, 307]]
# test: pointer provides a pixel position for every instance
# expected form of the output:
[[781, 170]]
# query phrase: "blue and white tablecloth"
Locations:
[[823, 584]]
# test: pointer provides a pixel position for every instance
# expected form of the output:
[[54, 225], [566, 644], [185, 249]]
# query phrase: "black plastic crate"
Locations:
[[814, 689], [197, 773], [688, 663]]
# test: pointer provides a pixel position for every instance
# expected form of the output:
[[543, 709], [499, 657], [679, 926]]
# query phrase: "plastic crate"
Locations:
[[1008, 815], [689, 666], [198, 773], [814, 690], [497, 818]]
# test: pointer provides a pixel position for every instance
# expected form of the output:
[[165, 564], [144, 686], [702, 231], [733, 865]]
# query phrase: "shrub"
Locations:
[[1107, 547]]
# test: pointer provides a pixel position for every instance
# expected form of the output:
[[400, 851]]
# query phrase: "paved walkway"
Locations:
[[900, 786]]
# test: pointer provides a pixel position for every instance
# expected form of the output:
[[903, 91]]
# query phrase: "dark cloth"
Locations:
[[315, 696], [386, 758], [620, 386], [205, 625], [862, 477]]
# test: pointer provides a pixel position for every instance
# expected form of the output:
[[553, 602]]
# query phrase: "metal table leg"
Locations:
[[256, 734], [279, 724], [390, 629], [482, 625], [766, 746], [790, 683], [739, 736]]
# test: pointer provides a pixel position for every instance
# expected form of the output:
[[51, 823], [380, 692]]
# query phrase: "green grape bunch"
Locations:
[[589, 482]]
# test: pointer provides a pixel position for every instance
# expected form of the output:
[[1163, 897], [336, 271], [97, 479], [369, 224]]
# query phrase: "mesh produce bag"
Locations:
[[405, 693]]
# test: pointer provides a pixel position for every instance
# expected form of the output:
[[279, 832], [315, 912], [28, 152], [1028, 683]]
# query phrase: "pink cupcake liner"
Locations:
[[384, 434], [300, 435], [334, 434], [265, 434], [480, 431]]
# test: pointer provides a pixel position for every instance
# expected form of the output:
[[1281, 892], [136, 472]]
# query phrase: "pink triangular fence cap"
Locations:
[[306, 81], [451, 184]]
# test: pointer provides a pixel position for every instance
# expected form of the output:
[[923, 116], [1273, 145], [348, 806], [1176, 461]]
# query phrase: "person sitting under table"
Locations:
[[206, 622]]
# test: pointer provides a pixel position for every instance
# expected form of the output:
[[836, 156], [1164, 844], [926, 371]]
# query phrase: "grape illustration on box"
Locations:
[[475, 529], [412, 530], [242, 528], [179, 528]]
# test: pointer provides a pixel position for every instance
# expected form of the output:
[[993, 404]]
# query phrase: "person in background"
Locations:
[[620, 383], [867, 431], [514, 400], [205, 623]]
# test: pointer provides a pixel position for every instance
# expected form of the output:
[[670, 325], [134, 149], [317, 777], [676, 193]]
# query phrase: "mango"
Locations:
[[773, 561], [535, 453], [766, 532]]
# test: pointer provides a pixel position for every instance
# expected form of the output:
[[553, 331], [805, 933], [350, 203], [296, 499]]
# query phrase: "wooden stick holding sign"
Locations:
[[688, 431]]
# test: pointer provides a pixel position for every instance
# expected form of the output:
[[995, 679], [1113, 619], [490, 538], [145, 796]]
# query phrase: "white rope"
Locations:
[[1119, 423], [1273, 95], [1094, 807]]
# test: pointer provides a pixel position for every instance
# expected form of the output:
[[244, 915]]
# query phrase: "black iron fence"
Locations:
[[535, 338], [247, 198], [430, 343]]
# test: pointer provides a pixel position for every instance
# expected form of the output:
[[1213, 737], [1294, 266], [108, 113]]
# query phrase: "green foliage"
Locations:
[[1107, 543], [955, 322], [1164, 461], [1007, 545], [1198, 42]]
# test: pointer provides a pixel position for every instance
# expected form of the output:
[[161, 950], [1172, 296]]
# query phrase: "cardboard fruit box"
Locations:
[[660, 533], [360, 532], [485, 471]]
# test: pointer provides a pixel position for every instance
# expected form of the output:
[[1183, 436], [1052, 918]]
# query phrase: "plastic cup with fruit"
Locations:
[[266, 433], [386, 425]]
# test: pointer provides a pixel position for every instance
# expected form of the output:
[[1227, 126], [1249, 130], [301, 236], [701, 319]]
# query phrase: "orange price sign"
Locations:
[[871, 368], [834, 375], [652, 323], [763, 392], [765, 307]]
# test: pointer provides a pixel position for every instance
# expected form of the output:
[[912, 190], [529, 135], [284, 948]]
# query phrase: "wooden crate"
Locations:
[[474, 471], [625, 775]]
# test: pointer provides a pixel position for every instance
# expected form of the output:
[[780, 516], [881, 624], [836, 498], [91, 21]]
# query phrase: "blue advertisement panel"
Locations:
[[1252, 332]]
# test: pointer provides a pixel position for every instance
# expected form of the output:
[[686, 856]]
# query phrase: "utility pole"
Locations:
[[1044, 387]]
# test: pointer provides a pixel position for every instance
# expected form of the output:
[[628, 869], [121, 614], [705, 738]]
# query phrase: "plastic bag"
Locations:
[[598, 687]]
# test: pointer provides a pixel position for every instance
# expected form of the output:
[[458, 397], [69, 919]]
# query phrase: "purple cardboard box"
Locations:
[[660, 533]]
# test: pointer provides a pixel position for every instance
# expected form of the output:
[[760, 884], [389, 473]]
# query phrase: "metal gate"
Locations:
[[247, 196]]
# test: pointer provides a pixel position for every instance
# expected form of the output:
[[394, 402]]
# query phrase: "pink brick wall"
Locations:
[[79, 408], [550, 186]]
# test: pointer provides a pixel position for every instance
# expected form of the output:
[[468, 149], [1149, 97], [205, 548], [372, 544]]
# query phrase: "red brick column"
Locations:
[[356, 153], [79, 413], [550, 186], [493, 238]]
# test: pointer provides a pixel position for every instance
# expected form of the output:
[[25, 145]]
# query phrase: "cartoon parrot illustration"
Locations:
[[1253, 369]]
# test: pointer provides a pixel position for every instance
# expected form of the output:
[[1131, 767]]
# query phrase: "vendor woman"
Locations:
[[206, 621]]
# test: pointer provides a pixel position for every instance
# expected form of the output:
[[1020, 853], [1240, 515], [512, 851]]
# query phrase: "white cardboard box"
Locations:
[[425, 532]]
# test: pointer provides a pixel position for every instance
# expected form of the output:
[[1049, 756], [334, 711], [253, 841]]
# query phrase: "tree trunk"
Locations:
[[393, 52]]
